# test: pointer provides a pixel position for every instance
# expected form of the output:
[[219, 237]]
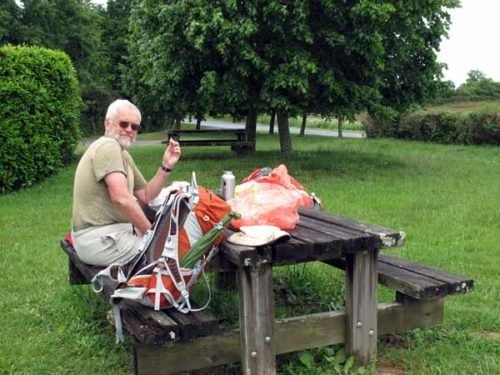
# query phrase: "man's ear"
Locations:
[[107, 123]]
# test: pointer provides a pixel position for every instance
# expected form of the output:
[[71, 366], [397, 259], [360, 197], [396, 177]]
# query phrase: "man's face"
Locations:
[[124, 127]]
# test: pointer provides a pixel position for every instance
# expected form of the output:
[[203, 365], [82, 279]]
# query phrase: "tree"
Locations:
[[73, 26], [115, 38], [478, 87], [411, 39], [475, 76], [10, 22], [329, 57]]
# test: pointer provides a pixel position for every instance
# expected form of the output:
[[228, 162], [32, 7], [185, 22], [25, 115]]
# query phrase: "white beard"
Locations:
[[125, 143]]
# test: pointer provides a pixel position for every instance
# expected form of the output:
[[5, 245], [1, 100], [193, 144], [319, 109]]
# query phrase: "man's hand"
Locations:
[[172, 154]]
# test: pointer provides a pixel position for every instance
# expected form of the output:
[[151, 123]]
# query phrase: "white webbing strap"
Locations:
[[160, 290], [97, 283], [118, 323]]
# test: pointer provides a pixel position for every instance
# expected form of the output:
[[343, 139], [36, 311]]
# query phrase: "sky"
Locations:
[[472, 42]]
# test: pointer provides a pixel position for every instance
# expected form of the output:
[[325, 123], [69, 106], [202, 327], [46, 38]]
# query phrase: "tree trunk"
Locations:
[[198, 123], [340, 123], [177, 124], [303, 126], [284, 134], [251, 127], [271, 123]]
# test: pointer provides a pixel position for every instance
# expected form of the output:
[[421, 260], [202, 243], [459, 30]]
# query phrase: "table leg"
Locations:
[[256, 319], [361, 306]]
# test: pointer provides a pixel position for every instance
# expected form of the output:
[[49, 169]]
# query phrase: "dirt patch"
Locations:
[[491, 335], [388, 369]]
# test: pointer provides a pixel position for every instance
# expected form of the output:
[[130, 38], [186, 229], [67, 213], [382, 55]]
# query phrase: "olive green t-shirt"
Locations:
[[92, 205]]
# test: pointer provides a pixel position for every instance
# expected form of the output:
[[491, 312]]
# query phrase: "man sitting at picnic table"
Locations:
[[108, 222]]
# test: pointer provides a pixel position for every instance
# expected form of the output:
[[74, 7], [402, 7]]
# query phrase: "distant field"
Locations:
[[464, 107]]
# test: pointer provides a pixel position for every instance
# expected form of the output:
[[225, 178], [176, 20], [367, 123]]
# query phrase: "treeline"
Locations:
[[197, 58], [478, 86], [94, 37]]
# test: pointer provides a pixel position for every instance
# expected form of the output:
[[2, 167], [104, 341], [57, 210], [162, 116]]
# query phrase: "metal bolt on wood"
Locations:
[[253, 354], [359, 324], [267, 339], [371, 332]]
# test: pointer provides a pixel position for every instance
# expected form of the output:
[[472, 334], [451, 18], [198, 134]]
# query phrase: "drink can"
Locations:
[[227, 185]]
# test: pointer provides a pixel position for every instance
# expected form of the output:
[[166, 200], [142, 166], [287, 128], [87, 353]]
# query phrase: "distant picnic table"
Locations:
[[211, 137]]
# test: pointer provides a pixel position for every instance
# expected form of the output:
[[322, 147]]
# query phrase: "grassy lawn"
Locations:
[[446, 199]]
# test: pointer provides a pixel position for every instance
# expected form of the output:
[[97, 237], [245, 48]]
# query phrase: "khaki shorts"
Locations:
[[107, 244]]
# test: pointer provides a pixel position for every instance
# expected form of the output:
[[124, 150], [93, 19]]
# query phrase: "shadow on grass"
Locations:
[[317, 162]]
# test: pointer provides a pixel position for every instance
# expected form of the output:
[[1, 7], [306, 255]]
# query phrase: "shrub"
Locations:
[[445, 127], [482, 128], [435, 127], [39, 114]]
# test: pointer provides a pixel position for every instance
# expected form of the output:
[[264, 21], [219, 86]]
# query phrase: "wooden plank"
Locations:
[[410, 283], [147, 325], [291, 334], [411, 279], [245, 255], [351, 239], [194, 324], [75, 277], [454, 283], [361, 306], [209, 142], [338, 231], [293, 251], [385, 237], [247, 333], [263, 310], [86, 270], [206, 131]]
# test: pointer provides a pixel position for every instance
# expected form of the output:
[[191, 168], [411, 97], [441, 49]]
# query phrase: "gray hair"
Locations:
[[119, 104]]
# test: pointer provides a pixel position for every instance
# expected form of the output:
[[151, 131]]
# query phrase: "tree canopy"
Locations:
[[330, 57], [241, 58], [74, 26]]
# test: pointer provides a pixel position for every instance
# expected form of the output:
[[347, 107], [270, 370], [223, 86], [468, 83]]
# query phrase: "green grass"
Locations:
[[446, 199]]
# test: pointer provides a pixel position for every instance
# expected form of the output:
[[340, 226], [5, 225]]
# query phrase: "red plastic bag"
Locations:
[[269, 199]]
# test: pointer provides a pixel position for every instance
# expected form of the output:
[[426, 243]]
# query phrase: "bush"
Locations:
[[39, 114], [448, 128]]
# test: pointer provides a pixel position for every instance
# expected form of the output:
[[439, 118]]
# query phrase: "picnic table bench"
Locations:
[[211, 137], [170, 342]]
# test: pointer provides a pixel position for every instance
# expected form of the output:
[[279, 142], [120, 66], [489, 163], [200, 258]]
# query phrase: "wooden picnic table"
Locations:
[[317, 237], [170, 342]]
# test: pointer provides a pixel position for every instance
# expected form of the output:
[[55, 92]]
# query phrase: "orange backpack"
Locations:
[[184, 237]]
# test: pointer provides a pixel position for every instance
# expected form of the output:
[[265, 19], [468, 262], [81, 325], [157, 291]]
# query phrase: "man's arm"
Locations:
[[125, 202], [154, 186]]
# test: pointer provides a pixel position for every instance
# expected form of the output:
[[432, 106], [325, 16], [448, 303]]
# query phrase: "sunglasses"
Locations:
[[124, 125]]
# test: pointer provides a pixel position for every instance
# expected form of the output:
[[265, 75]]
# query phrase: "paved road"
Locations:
[[265, 128], [260, 127]]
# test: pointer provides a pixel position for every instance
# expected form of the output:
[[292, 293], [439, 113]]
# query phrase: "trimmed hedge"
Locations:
[[39, 114], [450, 128]]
